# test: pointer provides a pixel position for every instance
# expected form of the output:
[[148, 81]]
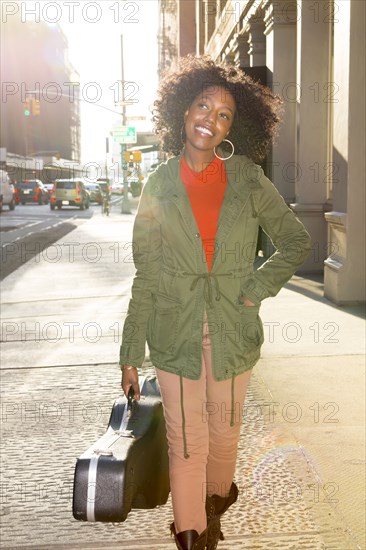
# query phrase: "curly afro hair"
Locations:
[[257, 109]]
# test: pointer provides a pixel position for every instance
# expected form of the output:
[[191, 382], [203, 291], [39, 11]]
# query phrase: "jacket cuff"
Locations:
[[254, 291], [124, 359]]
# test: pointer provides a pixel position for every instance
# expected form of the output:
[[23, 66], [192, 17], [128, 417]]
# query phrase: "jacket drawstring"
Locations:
[[186, 455], [207, 288], [254, 211], [232, 419], [207, 293], [232, 415]]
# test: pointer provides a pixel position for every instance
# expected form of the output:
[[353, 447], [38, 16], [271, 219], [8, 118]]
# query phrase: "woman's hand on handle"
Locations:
[[130, 378]]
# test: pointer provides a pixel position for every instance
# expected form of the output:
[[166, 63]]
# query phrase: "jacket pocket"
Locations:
[[251, 327], [164, 323]]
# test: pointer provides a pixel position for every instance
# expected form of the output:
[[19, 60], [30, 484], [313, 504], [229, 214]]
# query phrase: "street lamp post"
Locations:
[[125, 209]]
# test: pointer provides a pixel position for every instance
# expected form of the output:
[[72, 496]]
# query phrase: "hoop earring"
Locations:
[[231, 154], [183, 135]]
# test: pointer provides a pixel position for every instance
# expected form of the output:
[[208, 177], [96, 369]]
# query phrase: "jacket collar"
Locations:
[[242, 176]]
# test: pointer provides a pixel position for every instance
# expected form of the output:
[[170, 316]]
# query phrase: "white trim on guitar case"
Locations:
[[92, 483]]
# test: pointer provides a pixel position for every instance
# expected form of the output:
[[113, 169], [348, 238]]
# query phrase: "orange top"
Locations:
[[206, 190]]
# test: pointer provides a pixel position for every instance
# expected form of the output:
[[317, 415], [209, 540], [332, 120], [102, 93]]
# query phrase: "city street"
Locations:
[[300, 469], [29, 229], [209, 103]]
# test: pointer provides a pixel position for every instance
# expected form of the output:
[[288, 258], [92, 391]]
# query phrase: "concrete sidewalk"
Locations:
[[301, 467]]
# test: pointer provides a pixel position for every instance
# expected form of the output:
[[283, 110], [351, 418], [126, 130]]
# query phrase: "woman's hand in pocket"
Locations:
[[246, 302]]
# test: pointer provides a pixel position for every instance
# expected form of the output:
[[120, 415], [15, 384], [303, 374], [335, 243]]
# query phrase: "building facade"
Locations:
[[40, 108], [312, 55], [177, 32]]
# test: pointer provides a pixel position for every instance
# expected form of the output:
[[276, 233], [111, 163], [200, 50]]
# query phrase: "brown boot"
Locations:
[[215, 507], [189, 540]]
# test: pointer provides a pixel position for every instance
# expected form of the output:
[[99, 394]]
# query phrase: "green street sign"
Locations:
[[125, 134]]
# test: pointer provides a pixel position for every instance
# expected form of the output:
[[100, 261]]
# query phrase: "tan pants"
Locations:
[[211, 441]]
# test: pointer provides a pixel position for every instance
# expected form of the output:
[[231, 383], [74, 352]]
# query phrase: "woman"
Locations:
[[195, 296]]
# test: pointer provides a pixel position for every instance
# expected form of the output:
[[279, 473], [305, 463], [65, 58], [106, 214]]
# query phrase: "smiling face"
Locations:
[[208, 120]]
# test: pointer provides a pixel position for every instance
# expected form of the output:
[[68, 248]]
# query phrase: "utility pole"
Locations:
[[125, 209], [106, 157]]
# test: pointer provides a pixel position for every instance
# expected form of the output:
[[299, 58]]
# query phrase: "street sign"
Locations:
[[125, 134], [124, 139], [133, 156], [124, 130]]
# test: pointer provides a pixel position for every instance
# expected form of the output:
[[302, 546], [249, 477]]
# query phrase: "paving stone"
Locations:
[[51, 415]]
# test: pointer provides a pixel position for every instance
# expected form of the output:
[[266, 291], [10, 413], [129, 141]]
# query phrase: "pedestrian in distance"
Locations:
[[196, 295], [106, 203]]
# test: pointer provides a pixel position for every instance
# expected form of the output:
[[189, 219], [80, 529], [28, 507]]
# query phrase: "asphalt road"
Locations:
[[30, 229]]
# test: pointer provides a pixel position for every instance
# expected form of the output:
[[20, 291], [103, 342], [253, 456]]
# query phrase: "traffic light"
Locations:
[[36, 107], [27, 107], [133, 156], [32, 107]]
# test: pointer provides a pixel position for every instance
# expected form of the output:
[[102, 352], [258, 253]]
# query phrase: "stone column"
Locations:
[[228, 56], [210, 11], [280, 32], [201, 18], [257, 43], [344, 269], [313, 62], [241, 51]]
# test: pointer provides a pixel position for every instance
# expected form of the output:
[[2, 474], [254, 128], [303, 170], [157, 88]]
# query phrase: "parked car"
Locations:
[[6, 191], [117, 188], [48, 187], [88, 196], [134, 187], [105, 185], [95, 192], [31, 191], [69, 192]]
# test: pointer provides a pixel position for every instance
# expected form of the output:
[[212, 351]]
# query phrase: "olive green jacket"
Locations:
[[173, 288]]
